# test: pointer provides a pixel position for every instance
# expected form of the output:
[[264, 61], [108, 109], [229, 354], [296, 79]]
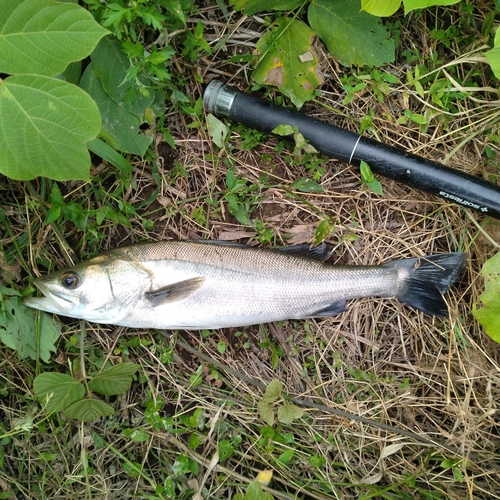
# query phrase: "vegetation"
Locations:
[[104, 142]]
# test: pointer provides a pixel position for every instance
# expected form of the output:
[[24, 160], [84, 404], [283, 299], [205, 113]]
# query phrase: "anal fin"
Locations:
[[331, 310], [174, 291]]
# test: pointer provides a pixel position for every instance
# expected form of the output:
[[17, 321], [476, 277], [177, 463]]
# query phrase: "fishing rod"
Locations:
[[335, 142]]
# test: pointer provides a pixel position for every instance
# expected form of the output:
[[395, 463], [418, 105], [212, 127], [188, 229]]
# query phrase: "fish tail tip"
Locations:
[[428, 278]]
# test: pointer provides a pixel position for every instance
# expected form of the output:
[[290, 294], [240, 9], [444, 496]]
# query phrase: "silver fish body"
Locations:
[[205, 285]]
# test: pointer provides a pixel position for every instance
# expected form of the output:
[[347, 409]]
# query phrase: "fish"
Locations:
[[208, 284]]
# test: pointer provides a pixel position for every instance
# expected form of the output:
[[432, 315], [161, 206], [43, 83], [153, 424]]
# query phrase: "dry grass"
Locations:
[[436, 380]]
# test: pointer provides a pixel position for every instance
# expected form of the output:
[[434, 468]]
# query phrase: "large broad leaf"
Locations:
[[43, 36], [87, 410], [380, 7], [351, 35], [45, 125], [114, 380], [18, 330], [288, 60], [422, 4], [57, 391], [251, 7], [120, 127], [111, 65], [489, 314]]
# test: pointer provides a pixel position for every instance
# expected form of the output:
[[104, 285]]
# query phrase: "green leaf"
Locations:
[[351, 35], [369, 179], [266, 412], [226, 450], [493, 55], [111, 66], [307, 186], [375, 186], [43, 36], [136, 435], [286, 456], [283, 130], [45, 125], [251, 7], [273, 390], [87, 410], [218, 131], [120, 127], [238, 209], [57, 391], [325, 227], [254, 491], [366, 172], [288, 413], [489, 314], [422, 4], [288, 60], [381, 8], [114, 380], [110, 155], [18, 329]]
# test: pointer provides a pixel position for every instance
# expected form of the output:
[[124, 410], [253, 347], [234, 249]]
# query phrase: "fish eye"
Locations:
[[70, 280]]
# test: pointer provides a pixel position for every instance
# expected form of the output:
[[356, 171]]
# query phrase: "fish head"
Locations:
[[102, 290]]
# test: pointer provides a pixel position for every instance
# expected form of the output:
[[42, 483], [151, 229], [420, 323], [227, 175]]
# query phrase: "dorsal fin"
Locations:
[[319, 252]]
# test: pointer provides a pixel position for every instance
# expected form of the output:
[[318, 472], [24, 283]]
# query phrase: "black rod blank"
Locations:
[[335, 142]]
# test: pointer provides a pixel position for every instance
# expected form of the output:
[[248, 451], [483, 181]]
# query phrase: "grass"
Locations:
[[396, 404]]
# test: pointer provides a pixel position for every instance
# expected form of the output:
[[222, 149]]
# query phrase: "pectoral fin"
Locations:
[[174, 291]]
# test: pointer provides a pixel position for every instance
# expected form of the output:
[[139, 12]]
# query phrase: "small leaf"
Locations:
[[238, 209], [254, 491], [53, 213], [57, 391], [307, 186], [217, 129], [18, 329], [288, 413], [266, 412], [283, 130], [114, 380], [136, 435], [369, 179], [325, 227], [366, 172], [107, 153], [264, 477], [273, 390], [391, 449], [375, 478], [87, 410], [375, 186], [286, 456]]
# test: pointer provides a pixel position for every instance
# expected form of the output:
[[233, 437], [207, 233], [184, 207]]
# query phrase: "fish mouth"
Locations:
[[52, 301]]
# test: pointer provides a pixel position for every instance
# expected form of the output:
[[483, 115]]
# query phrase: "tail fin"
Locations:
[[427, 278]]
